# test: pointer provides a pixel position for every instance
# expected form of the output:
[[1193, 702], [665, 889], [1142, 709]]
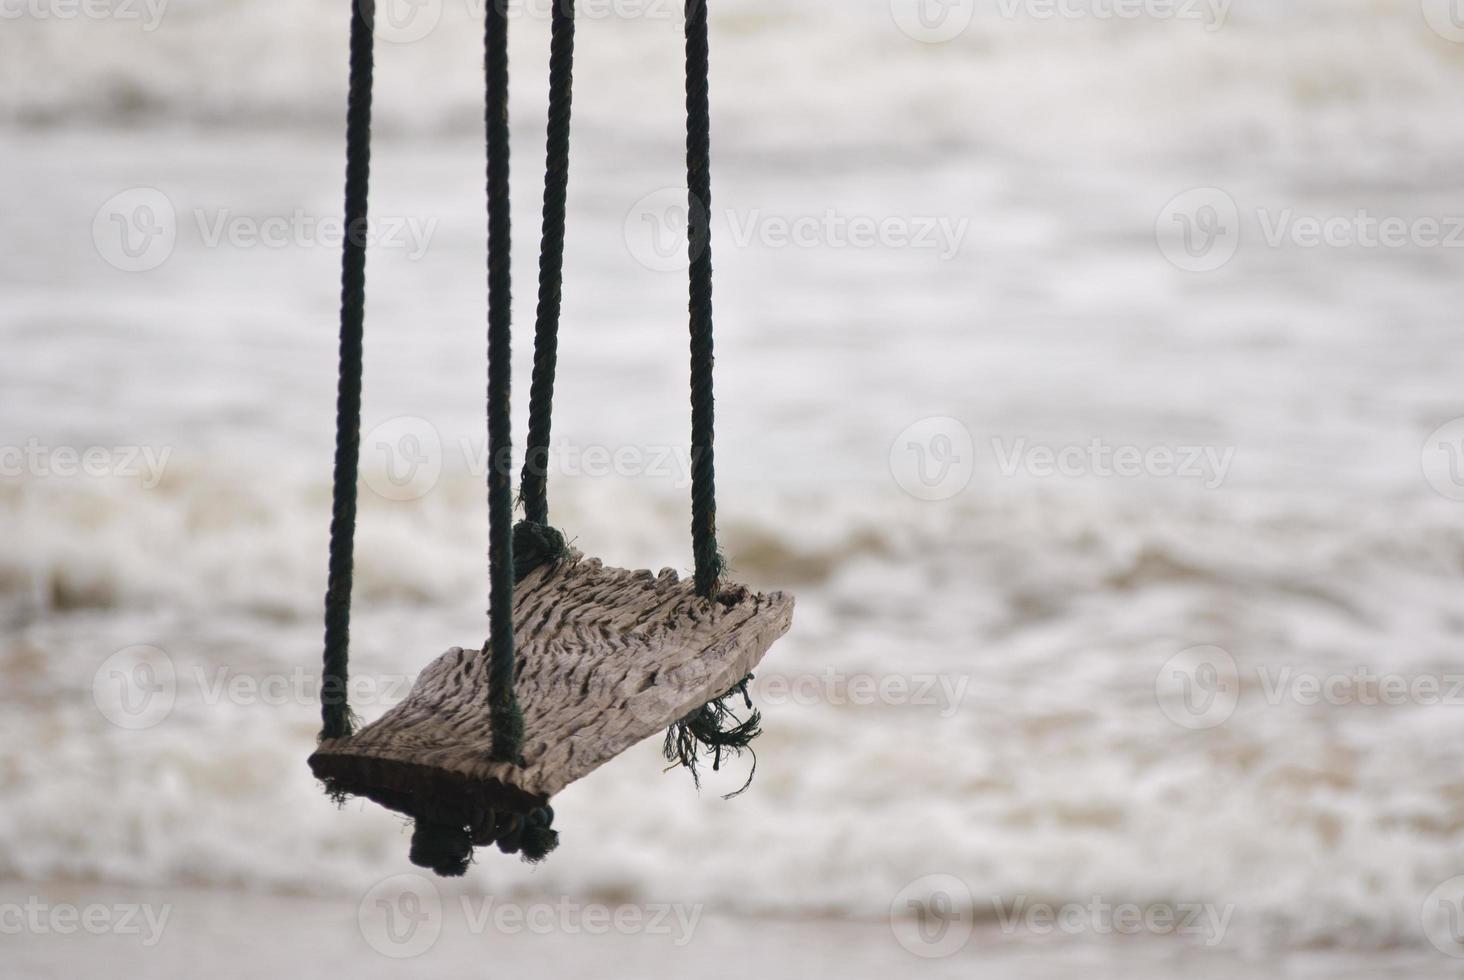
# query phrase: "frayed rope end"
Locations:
[[717, 728]]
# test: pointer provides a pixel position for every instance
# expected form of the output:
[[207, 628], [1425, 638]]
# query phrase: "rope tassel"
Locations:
[[715, 727]]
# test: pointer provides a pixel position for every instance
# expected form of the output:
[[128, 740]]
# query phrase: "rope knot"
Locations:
[[534, 545], [443, 848], [531, 836]]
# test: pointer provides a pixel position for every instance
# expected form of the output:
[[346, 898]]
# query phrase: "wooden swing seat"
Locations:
[[606, 657]]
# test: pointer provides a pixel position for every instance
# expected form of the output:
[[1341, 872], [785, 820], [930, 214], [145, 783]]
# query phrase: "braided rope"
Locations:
[[707, 556], [335, 711], [507, 721], [534, 480]]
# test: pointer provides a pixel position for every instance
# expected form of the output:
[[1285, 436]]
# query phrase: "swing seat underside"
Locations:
[[606, 658]]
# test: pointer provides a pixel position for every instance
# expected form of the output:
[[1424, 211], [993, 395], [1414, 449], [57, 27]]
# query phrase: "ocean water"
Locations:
[[954, 293]]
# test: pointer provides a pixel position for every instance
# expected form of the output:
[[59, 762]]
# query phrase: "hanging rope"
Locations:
[[533, 486], [699, 187], [507, 721], [714, 726], [335, 710]]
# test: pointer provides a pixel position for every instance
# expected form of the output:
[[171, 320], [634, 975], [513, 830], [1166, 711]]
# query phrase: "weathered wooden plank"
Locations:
[[606, 658]]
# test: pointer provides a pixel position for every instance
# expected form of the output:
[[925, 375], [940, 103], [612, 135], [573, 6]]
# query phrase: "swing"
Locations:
[[582, 660]]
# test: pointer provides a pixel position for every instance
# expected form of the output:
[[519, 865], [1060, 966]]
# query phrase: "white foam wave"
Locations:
[[1042, 768], [1291, 81]]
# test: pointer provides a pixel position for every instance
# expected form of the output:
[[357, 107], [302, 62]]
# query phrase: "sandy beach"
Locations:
[[231, 934]]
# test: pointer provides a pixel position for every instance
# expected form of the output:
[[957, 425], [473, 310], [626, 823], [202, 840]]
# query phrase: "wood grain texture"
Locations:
[[606, 658]]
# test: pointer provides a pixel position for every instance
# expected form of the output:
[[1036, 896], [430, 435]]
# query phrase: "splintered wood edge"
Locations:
[[606, 658]]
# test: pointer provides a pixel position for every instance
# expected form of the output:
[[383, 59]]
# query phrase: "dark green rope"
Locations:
[[533, 486], [707, 557], [447, 848], [535, 545], [713, 726], [335, 710], [507, 722]]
